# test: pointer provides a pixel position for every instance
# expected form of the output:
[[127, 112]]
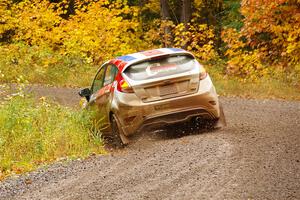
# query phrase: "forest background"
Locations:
[[250, 47]]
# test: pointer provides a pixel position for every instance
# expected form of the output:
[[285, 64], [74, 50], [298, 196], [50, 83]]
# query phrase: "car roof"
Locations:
[[123, 62]]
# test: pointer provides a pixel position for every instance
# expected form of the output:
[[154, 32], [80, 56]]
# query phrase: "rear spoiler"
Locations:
[[157, 57]]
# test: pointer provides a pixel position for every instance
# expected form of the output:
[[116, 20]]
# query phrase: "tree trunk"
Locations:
[[165, 16], [213, 10], [185, 15], [164, 8], [219, 26], [186, 11]]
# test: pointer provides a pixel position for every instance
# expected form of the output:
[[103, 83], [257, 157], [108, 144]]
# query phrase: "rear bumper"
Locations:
[[166, 119], [134, 114]]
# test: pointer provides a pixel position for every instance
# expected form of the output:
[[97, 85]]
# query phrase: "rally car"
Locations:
[[152, 88]]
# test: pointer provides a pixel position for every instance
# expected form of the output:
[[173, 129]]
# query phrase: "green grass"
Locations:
[[267, 89], [280, 86], [37, 133]]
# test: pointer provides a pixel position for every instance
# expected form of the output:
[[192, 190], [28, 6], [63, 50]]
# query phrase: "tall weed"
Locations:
[[34, 133]]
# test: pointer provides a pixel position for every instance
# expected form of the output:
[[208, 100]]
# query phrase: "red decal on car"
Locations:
[[151, 53], [163, 67]]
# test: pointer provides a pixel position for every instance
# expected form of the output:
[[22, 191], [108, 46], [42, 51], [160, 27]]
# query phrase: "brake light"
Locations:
[[123, 86], [203, 73]]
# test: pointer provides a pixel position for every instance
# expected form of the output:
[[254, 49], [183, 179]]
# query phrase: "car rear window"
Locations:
[[160, 67]]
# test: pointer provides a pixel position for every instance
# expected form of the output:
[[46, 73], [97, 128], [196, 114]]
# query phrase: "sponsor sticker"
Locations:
[[156, 68], [151, 53]]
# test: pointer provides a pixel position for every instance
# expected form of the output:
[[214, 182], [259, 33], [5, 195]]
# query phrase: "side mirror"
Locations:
[[86, 92]]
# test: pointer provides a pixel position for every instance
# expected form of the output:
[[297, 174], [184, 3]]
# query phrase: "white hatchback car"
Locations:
[[152, 88]]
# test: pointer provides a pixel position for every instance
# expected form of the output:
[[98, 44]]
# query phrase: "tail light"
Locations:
[[203, 73], [123, 86]]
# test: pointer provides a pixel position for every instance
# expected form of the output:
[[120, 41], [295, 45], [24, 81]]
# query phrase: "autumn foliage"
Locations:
[[36, 36], [268, 42], [52, 41]]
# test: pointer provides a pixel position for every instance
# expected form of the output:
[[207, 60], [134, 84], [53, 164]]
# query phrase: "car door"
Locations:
[[95, 98], [97, 84], [106, 94]]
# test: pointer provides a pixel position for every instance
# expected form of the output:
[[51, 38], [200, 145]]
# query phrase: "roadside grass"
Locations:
[[38, 133], [265, 88]]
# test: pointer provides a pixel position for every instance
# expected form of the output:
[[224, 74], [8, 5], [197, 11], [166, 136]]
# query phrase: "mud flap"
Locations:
[[125, 140], [221, 123]]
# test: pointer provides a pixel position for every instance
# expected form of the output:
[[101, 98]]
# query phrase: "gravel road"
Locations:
[[257, 156]]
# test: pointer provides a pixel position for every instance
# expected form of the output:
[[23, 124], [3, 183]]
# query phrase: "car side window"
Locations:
[[98, 81], [110, 74]]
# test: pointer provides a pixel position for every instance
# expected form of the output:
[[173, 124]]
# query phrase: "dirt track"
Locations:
[[256, 157]]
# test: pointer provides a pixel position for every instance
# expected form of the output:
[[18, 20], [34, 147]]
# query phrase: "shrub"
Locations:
[[36, 41], [43, 65], [268, 43], [198, 38], [33, 133]]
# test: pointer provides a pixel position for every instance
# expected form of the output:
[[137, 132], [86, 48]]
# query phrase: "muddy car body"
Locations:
[[152, 88]]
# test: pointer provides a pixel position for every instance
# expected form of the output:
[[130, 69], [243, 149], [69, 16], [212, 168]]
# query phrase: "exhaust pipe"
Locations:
[[198, 119]]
